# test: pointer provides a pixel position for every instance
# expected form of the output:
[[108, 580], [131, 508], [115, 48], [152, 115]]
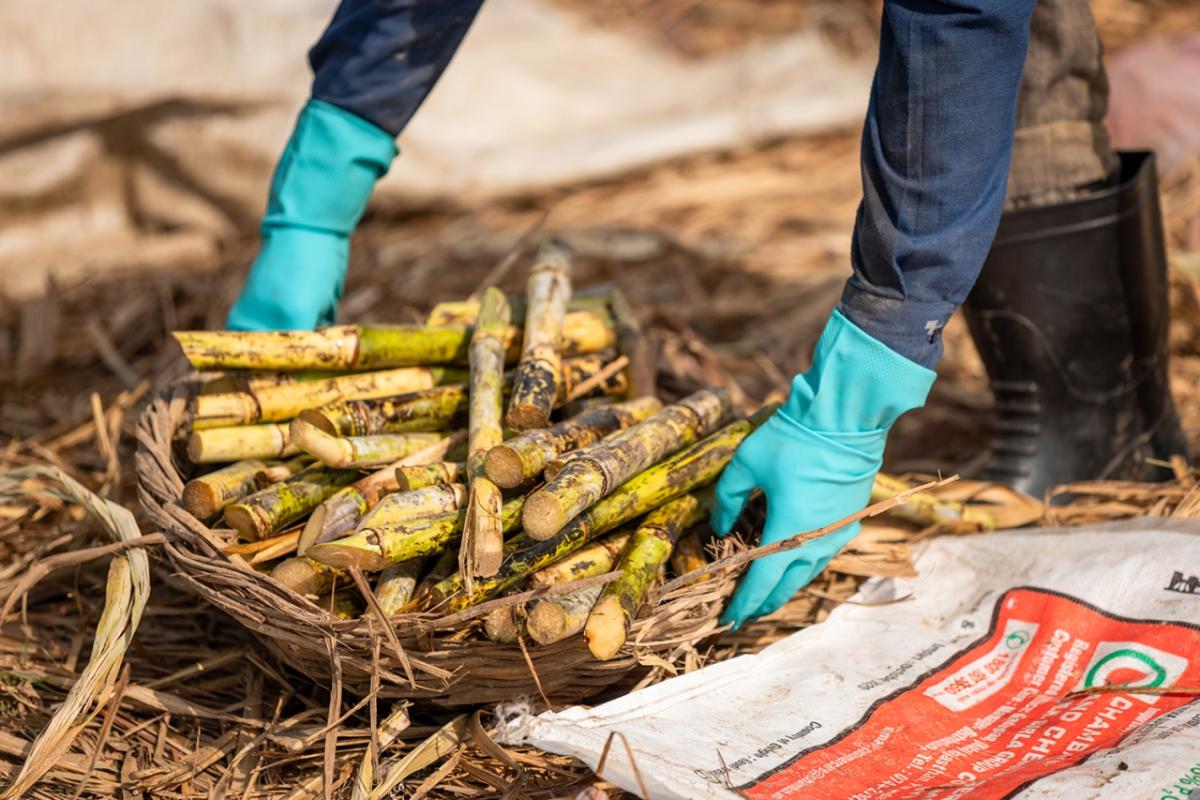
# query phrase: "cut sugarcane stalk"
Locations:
[[208, 494], [444, 566], [642, 371], [285, 401], [523, 457], [357, 451], [648, 550], [926, 508], [553, 619], [239, 443], [428, 410], [396, 508], [281, 471], [274, 508], [432, 409], [396, 585], [307, 577], [420, 476], [584, 481], [341, 514], [589, 299], [483, 537], [538, 382], [595, 559], [504, 625], [376, 548], [368, 347], [680, 473]]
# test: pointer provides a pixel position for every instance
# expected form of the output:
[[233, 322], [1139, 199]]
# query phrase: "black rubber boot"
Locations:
[[1070, 318]]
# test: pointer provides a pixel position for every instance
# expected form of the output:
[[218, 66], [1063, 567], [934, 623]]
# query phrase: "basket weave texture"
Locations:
[[435, 662]]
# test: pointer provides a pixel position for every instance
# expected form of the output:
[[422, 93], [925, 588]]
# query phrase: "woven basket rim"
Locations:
[[432, 663]]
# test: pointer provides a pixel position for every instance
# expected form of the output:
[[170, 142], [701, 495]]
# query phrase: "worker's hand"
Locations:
[[815, 460], [320, 190]]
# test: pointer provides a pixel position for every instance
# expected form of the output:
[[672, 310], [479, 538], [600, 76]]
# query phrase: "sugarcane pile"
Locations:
[[409, 453]]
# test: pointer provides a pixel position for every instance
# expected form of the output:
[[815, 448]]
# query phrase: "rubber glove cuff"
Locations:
[[319, 192], [815, 459]]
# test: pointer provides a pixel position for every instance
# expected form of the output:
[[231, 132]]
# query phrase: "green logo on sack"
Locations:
[[1126, 667], [1016, 640]]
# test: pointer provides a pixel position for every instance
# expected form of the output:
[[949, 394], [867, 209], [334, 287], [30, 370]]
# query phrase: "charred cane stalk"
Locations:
[[483, 537], [523, 457], [648, 490], [585, 480], [418, 477], [285, 401], [274, 508], [649, 548], [538, 382], [372, 549], [208, 494]]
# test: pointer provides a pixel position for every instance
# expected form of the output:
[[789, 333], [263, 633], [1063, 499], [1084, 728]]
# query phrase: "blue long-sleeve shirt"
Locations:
[[935, 151]]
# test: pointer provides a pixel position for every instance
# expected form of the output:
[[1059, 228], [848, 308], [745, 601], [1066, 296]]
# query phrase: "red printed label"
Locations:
[[997, 716]]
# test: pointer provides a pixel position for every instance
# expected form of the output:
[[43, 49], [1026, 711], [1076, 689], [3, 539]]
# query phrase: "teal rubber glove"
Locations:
[[815, 459], [318, 194]]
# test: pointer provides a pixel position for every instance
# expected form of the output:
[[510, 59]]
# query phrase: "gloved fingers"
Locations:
[[733, 490], [754, 587], [798, 575], [808, 562]]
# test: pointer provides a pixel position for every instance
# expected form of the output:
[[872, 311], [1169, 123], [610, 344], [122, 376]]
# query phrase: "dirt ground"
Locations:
[[732, 259]]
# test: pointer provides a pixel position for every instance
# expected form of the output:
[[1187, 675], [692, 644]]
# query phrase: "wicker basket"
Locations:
[[446, 668]]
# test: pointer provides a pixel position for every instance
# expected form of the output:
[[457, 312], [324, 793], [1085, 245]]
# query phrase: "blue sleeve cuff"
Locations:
[[910, 328]]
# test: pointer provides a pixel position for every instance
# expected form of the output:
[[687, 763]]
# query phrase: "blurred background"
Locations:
[[700, 154]]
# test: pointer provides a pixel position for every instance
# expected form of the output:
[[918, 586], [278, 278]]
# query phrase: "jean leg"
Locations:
[[936, 149], [379, 59]]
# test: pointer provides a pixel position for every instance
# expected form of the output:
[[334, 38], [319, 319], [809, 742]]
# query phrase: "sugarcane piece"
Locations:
[[926, 508], [648, 550], [538, 382], [422, 475], [396, 585], [688, 555], [286, 401], [372, 549], [553, 619], [523, 457], [555, 465], [582, 370], [681, 473], [369, 347], [252, 380], [344, 605], [585, 480], [642, 371], [427, 410], [482, 543], [280, 471], [341, 514], [357, 451], [443, 567], [504, 625], [208, 494], [258, 515], [239, 443], [339, 347], [307, 577], [398, 507], [596, 558]]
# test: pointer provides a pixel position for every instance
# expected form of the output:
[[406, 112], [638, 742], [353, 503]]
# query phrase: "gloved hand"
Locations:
[[318, 194], [815, 459]]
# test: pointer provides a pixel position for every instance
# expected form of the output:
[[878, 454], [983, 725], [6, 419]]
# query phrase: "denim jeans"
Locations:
[[380, 58], [936, 149], [936, 145]]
